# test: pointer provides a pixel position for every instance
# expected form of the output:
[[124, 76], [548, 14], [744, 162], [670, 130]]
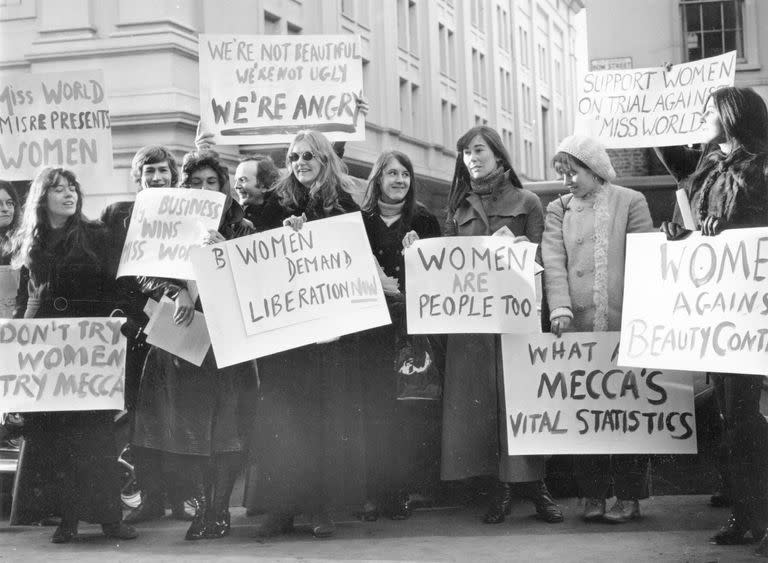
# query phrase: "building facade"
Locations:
[[632, 34], [431, 69]]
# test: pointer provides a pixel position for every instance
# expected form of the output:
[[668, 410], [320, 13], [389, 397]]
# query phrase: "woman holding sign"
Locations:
[[68, 466], [727, 186], [396, 460], [306, 448], [187, 416], [486, 196], [583, 250]]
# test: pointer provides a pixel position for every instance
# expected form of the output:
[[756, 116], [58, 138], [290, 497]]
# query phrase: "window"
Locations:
[[405, 106], [407, 28], [712, 27], [416, 113], [523, 35], [451, 55], [271, 24], [483, 77], [293, 29], [413, 28], [448, 114], [443, 40], [348, 8], [475, 72]]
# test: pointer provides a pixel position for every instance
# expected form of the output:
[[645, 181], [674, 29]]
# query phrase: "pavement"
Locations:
[[673, 528]]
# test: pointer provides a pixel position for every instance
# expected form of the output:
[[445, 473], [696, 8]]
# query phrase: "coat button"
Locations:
[[579, 273], [579, 240], [60, 304], [381, 252], [397, 268], [579, 208]]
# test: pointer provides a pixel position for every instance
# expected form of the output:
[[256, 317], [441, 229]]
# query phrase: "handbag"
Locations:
[[417, 371]]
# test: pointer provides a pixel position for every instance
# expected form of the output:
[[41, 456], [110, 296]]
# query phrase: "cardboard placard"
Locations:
[[283, 289], [165, 225], [650, 107], [697, 304], [58, 119], [567, 396], [470, 285], [260, 89], [70, 364]]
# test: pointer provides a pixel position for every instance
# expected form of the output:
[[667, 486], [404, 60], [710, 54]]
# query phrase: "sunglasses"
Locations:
[[294, 156]]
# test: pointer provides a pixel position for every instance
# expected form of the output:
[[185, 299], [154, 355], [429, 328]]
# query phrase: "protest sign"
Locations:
[[165, 225], [697, 304], [650, 107], [470, 285], [283, 289], [56, 119], [567, 396], [260, 89], [62, 364]]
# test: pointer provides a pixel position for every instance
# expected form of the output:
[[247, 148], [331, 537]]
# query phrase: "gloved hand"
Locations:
[[674, 231], [712, 226]]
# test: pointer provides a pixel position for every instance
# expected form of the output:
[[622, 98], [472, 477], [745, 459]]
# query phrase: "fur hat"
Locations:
[[591, 152]]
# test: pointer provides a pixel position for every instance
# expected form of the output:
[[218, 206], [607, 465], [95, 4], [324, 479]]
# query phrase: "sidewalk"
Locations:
[[674, 528]]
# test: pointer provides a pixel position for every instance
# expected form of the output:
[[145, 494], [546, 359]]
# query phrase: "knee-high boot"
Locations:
[[226, 468], [200, 521]]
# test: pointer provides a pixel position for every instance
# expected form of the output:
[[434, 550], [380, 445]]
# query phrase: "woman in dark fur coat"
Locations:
[[727, 186]]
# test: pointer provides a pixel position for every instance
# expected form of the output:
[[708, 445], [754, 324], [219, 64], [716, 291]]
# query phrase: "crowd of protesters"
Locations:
[[318, 427]]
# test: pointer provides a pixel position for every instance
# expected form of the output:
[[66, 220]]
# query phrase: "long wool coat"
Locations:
[[474, 433], [68, 460]]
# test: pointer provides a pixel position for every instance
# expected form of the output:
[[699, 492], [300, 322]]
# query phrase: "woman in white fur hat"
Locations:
[[583, 248]]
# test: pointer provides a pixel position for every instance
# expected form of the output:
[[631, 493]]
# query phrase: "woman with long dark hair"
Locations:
[[10, 218], [486, 195], [305, 449], [727, 186], [397, 462], [187, 416], [68, 466]]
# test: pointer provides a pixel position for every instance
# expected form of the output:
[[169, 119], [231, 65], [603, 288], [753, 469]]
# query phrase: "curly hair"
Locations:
[[153, 154], [7, 234], [197, 160], [331, 179], [29, 246]]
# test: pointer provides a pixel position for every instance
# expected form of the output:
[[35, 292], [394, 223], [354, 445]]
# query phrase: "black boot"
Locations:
[[197, 529], [150, 508], [762, 549], [225, 470], [546, 507], [732, 533], [501, 504]]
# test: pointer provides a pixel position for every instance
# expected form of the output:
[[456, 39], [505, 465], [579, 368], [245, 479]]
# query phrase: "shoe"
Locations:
[[370, 512], [119, 530], [623, 511], [275, 525], [594, 509], [322, 525], [400, 506], [220, 527], [149, 509], [64, 533], [197, 529], [179, 511], [501, 504], [719, 499], [546, 507], [762, 549], [732, 533]]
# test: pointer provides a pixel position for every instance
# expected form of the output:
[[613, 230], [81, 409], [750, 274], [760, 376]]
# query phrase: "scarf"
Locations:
[[390, 212], [488, 184]]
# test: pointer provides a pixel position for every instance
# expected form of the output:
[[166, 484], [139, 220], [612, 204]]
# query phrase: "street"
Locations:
[[673, 528]]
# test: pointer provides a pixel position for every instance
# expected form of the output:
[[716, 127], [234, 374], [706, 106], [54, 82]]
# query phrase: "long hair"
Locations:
[[460, 186], [744, 118], [373, 192], [153, 154], [6, 236], [197, 160], [330, 180], [29, 246]]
